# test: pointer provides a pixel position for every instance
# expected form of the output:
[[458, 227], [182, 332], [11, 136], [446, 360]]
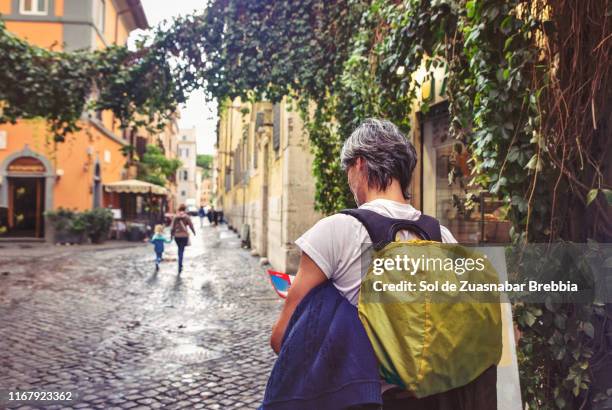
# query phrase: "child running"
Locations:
[[159, 240]]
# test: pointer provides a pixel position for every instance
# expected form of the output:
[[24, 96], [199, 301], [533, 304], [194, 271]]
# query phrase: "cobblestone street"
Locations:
[[101, 322]]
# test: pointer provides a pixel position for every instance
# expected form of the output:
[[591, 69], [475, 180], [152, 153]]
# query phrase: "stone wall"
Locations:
[[274, 191]]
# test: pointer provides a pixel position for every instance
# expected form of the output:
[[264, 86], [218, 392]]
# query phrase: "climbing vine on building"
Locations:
[[529, 90], [138, 87], [509, 91]]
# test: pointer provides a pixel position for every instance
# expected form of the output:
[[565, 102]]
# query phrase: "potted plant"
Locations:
[[98, 222], [77, 228], [68, 226]]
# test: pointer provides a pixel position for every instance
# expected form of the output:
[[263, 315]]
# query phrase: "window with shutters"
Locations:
[[237, 165], [141, 146], [276, 130]]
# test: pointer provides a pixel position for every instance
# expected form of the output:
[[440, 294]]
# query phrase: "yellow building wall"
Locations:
[[109, 37], [287, 171], [42, 34], [59, 8], [76, 156], [5, 6], [115, 30]]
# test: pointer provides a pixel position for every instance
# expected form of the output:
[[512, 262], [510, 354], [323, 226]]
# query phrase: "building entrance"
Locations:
[[26, 204], [24, 216]]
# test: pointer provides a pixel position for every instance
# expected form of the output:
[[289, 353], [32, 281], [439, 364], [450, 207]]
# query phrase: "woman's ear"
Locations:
[[359, 164], [362, 166]]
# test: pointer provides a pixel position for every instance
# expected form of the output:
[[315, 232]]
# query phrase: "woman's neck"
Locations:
[[392, 193]]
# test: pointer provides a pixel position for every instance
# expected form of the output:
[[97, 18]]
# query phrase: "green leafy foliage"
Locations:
[[528, 85], [94, 223], [155, 167], [205, 162], [98, 222], [138, 87]]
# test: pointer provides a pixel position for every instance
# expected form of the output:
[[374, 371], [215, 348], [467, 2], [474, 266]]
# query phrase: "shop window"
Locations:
[[34, 7], [464, 208]]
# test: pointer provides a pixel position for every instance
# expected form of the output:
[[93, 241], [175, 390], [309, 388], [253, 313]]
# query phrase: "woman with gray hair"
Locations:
[[384, 155], [379, 161]]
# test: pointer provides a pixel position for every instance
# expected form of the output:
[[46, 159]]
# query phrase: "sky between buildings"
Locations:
[[196, 112]]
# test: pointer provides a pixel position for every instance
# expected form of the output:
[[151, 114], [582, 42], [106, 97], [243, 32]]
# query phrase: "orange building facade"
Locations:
[[37, 174]]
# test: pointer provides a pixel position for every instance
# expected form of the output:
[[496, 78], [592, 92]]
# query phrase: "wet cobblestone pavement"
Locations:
[[104, 324]]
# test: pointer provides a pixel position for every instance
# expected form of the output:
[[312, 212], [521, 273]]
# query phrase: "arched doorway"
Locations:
[[25, 194], [26, 197]]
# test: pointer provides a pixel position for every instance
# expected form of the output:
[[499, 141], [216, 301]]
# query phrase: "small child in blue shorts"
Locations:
[[158, 240]]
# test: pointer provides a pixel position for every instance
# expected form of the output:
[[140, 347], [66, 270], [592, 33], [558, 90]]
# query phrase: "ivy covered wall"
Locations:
[[529, 90]]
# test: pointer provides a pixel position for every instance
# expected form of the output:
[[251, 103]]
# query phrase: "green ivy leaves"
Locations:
[[342, 61]]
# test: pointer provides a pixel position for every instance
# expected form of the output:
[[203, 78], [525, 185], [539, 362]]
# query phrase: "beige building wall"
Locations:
[[264, 178], [206, 192], [187, 184]]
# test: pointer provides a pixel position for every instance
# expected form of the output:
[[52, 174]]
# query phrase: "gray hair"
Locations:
[[387, 152]]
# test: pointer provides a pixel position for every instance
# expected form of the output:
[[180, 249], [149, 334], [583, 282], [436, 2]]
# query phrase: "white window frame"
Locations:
[[36, 12], [3, 139]]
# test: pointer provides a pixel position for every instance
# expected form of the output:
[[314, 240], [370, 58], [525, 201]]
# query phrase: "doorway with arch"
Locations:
[[26, 192]]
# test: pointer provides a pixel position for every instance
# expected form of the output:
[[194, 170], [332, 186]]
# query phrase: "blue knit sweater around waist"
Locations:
[[326, 360]]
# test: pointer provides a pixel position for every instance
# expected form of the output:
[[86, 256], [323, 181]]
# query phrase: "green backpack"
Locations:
[[426, 340]]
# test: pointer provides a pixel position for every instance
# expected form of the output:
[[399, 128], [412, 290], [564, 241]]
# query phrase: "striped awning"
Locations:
[[134, 186]]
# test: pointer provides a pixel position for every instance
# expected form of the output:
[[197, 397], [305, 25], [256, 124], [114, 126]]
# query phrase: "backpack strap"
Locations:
[[382, 229]]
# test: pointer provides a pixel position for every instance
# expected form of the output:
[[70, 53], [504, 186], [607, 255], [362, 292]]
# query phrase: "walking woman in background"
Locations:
[[179, 231]]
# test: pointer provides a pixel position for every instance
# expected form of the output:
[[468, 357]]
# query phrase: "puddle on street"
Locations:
[[187, 353]]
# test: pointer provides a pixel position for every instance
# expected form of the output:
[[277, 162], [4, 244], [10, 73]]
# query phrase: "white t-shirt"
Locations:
[[335, 244]]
